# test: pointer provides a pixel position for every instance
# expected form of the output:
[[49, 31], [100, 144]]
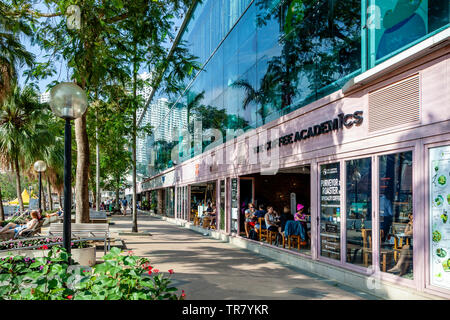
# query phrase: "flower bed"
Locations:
[[38, 243], [120, 277], [82, 252]]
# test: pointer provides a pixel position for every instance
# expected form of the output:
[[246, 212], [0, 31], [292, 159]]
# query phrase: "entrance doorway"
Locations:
[[287, 188], [203, 204]]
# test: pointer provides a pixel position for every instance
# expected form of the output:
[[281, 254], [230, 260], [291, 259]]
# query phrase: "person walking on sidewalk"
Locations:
[[124, 206]]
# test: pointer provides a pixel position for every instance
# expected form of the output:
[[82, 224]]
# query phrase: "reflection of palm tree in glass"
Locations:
[[194, 104], [163, 154], [356, 177], [321, 44], [259, 97]]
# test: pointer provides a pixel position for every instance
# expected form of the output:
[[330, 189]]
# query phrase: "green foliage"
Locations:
[[119, 277], [8, 187], [39, 243], [124, 277], [42, 278]]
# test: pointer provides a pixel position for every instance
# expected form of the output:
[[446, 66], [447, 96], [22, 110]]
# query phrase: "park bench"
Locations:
[[94, 217], [87, 231]]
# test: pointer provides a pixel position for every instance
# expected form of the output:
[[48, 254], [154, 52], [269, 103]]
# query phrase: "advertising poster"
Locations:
[[439, 211], [398, 23], [330, 205]]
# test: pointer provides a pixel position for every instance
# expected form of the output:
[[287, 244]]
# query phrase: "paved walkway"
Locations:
[[211, 269]]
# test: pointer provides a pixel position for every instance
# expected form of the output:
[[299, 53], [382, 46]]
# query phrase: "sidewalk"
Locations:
[[210, 269]]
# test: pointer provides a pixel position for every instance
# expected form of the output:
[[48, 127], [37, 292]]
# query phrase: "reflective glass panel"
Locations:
[[358, 182], [400, 23], [396, 214], [330, 211]]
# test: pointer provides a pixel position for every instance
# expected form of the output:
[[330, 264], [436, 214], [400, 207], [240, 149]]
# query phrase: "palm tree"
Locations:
[[23, 135], [12, 53]]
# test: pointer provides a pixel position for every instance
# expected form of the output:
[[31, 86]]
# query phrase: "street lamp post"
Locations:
[[68, 101], [40, 166]]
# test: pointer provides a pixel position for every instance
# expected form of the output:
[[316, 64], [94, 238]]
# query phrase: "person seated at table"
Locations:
[[212, 214], [260, 213], [209, 208], [249, 219], [406, 251], [285, 217], [302, 217], [272, 220], [12, 229]]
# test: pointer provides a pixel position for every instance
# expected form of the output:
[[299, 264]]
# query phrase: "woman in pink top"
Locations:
[[299, 215]]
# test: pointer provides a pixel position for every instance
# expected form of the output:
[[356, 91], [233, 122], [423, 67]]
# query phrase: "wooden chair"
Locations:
[[367, 249], [294, 240], [398, 241], [262, 232], [206, 222], [212, 225], [271, 236]]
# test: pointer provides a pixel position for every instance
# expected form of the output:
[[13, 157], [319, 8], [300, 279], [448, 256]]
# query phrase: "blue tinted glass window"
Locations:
[[398, 24]]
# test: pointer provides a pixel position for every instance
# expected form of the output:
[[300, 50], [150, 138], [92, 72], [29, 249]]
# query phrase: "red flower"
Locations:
[[171, 271], [150, 268], [149, 271], [155, 270], [69, 297]]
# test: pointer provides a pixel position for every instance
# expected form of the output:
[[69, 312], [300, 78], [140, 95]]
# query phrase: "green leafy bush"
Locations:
[[124, 277], [43, 278], [43, 243], [120, 277]]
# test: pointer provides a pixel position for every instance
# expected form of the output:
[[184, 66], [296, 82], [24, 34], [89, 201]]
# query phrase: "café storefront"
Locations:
[[378, 156]]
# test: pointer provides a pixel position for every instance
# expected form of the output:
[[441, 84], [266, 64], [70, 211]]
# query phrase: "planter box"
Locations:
[[84, 257]]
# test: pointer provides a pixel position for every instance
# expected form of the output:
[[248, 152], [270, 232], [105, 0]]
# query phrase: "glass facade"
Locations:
[[395, 209], [262, 59], [330, 211], [399, 24], [359, 211]]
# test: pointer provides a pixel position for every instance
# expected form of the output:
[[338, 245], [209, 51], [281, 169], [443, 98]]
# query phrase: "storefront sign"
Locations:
[[347, 120], [234, 204], [330, 206], [439, 212]]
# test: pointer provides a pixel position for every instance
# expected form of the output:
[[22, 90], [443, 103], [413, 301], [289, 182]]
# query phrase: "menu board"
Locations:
[[330, 206], [234, 204], [439, 211]]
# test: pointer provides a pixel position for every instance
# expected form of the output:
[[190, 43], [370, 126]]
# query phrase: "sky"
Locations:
[[62, 73]]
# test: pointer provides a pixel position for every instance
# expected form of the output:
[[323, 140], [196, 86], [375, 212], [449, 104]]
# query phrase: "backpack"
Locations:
[[253, 235]]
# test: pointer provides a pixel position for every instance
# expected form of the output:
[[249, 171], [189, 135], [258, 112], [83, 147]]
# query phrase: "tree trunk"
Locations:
[[117, 207], [18, 186], [49, 192], [134, 132], [44, 203], [82, 174], [97, 171], [94, 202], [2, 211]]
